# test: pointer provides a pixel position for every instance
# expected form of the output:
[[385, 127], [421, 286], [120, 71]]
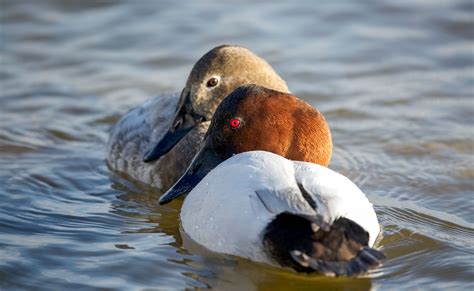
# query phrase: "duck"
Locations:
[[260, 189], [155, 142]]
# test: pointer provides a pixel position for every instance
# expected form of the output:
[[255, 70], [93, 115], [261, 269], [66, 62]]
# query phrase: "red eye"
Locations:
[[234, 123]]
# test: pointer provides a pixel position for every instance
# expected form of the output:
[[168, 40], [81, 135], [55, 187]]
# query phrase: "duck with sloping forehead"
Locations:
[[155, 142], [259, 189]]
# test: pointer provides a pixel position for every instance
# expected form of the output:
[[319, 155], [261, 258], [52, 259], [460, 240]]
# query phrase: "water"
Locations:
[[394, 79]]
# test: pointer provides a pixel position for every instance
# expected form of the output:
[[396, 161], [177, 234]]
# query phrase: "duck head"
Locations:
[[257, 118], [213, 77]]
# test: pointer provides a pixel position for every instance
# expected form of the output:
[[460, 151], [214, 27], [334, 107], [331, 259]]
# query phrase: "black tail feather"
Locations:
[[366, 259], [339, 249]]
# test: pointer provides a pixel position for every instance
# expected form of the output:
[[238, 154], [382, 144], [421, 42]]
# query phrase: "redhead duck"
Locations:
[[259, 189], [155, 142]]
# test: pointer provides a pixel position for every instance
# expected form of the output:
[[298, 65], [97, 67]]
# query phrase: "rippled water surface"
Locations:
[[395, 81]]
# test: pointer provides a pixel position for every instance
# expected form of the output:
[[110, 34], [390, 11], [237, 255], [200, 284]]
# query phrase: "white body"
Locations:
[[225, 214]]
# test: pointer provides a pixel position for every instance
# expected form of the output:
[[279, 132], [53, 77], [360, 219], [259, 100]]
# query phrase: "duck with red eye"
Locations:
[[256, 118], [267, 183]]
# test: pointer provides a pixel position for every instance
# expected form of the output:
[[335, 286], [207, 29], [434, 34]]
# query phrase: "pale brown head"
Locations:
[[257, 118], [214, 76]]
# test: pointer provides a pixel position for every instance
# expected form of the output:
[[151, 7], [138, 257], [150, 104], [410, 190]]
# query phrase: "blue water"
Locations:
[[393, 78]]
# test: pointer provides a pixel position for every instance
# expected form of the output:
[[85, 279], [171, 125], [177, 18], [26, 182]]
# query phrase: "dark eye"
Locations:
[[234, 123], [212, 82]]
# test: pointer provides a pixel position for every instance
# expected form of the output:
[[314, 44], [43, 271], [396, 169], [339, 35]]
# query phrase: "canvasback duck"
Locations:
[[155, 142], [247, 199]]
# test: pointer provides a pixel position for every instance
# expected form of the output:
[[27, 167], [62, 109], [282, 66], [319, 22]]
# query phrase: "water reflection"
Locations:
[[394, 79]]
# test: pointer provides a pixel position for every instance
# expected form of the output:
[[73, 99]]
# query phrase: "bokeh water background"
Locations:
[[395, 80]]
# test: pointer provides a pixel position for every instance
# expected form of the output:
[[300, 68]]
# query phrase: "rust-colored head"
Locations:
[[256, 118]]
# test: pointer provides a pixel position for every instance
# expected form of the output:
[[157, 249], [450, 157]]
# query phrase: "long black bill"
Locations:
[[203, 163], [184, 120]]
